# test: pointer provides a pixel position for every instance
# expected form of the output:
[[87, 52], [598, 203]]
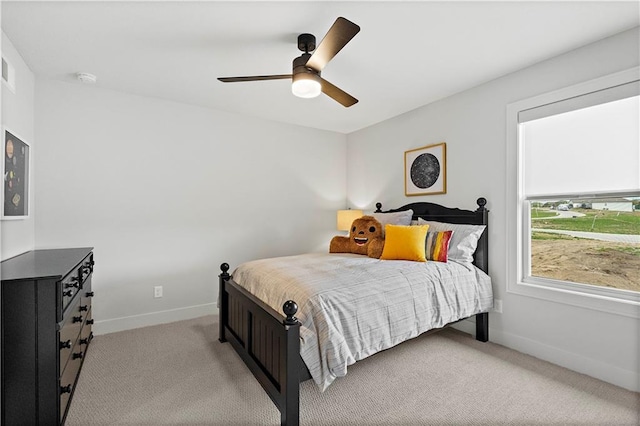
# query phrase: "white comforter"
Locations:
[[352, 306]]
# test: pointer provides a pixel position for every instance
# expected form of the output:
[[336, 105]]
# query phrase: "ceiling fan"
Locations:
[[307, 82]]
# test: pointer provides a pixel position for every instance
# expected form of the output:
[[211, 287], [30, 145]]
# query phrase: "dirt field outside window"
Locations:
[[588, 261]]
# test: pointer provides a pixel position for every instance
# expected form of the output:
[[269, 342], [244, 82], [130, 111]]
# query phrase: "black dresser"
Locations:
[[46, 330]]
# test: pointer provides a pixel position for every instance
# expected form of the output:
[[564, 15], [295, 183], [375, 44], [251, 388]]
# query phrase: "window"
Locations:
[[577, 189]]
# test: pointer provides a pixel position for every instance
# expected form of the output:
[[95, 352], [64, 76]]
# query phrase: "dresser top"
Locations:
[[39, 264]]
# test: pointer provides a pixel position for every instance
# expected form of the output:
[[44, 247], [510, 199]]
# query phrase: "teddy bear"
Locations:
[[365, 238]]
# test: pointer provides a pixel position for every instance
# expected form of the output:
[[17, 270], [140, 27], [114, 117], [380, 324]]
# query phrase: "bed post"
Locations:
[[482, 261], [290, 409], [482, 251], [482, 327], [224, 302]]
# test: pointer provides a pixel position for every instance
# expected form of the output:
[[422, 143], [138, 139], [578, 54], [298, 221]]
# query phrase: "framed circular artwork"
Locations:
[[425, 170]]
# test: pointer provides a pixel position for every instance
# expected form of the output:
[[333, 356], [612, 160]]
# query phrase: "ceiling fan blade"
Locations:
[[340, 33], [254, 78], [337, 94]]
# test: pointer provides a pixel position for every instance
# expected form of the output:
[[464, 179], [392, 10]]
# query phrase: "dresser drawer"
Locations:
[[68, 288], [69, 377], [86, 293], [73, 282], [86, 335], [74, 318], [76, 357], [86, 268]]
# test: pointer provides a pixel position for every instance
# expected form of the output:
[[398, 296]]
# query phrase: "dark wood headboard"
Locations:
[[439, 213]]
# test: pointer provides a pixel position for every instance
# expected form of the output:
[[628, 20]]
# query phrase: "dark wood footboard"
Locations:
[[267, 342]]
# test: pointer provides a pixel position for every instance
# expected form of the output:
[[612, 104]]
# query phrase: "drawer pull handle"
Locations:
[[71, 285], [65, 345], [65, 389], [76, 355], [67, 293], [83, 308], [90, 321], [77, 319], [84, 341], [89, 294]]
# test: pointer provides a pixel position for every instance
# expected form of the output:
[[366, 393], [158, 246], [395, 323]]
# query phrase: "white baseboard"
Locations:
[[153, 318], [606, 372]]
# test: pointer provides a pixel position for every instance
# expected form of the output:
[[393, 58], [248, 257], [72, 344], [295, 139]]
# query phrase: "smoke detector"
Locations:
[[85, 77]]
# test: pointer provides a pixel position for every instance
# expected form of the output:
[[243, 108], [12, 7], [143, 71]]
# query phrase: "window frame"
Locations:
[[617, 301]]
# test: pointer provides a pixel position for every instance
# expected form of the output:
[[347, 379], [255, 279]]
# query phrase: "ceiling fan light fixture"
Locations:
[[306, 85]]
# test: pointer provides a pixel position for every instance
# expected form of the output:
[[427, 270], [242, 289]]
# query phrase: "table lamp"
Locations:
[[346, 217]]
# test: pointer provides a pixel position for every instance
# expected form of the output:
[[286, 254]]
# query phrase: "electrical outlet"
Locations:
[[497, 305], [157, 291]]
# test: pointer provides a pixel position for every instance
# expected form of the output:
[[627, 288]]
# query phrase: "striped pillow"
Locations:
[[437, 245]]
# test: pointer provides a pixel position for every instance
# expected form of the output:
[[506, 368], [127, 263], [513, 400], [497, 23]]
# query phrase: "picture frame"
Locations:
[[16, 169], [425, 170]]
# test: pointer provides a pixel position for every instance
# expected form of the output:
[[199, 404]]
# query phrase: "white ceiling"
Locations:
[[406, 55]]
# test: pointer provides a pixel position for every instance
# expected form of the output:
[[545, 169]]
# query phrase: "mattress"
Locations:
[[352, 306]]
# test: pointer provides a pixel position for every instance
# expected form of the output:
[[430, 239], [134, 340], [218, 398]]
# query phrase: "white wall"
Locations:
[[166, 192], [473, 124], [18, 236]]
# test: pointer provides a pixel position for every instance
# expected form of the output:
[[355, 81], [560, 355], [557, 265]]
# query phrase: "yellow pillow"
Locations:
[[404, 242]]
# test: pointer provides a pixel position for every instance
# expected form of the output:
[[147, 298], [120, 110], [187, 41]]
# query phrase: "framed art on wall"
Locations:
[[425, 170], [15, 172]]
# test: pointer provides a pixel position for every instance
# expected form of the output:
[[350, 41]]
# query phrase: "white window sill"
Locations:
[[618, 302]]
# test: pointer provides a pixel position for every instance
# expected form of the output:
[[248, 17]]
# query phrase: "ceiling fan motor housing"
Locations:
[[300, 66]]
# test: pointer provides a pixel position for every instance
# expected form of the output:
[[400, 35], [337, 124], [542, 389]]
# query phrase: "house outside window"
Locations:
[[577, 182]]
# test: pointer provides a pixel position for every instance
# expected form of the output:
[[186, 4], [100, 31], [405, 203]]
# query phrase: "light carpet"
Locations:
[[179, 374]]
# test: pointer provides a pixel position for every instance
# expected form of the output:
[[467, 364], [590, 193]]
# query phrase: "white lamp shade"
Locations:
[[306, 85], [346, 218]]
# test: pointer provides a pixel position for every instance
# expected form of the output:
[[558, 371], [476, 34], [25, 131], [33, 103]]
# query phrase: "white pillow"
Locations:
[[396, 218], [464, 239]]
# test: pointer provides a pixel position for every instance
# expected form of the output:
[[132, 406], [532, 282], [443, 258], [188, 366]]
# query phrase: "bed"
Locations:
[[270, 343]]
